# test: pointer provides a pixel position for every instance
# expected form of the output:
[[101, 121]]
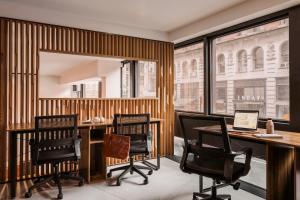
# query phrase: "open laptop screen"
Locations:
[[245, 120]]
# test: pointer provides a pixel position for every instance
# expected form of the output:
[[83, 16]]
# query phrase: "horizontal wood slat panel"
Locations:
[[21, 43]]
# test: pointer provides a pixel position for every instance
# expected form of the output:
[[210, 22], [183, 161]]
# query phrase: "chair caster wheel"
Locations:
[[81, 183], [194, 197], [28, 194], [150, 172], [108, 174], [60, 196], [236, 186], [145, 181], [118, 183], [131, 172]]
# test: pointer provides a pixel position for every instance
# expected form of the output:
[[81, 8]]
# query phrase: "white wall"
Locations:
[[111, 71], [79, 72], [49, 87]]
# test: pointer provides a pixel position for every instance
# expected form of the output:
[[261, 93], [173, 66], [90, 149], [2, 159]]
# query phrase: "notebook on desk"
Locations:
[[245, 121], [264, 135]]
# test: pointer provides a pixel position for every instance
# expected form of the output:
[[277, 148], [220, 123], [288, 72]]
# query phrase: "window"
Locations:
[[146, 79], [258, 58], [138, 79], [189, 80], [267, 92], [242, 61], [221, 97], [126, 80], [284, 54], [194, 68], [185, 71], [221, 63], [282, 98]]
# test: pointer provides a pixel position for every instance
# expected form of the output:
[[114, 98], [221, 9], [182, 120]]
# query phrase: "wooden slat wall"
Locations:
[[23, 42], [86, 109], [90, 108], [3, 78]]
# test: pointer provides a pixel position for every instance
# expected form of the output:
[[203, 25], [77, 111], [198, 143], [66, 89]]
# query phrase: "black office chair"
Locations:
[[55, 141], [213, 162], [137, 127]]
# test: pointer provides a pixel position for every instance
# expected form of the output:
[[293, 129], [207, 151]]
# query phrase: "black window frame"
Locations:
[[293, 14]]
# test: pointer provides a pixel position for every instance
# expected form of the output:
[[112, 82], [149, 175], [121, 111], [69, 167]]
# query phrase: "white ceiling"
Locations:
[[168, 20], [161, 15], [54, 64]]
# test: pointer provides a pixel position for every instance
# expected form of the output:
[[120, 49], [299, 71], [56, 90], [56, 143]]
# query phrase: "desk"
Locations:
[[282, 157], [21, 129]]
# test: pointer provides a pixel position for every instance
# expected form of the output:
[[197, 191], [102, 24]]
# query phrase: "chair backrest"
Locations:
[[192, 122], [55, 137], [63, 123], [131, 124]]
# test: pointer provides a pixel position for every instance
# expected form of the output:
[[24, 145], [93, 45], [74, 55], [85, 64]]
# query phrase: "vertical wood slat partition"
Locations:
[[90, 108], [21, 43], [86, 109]]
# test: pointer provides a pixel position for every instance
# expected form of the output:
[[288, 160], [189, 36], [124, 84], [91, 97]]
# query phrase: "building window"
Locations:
[[250, 95], [177, 68], [282, 98], [267, 92], [284, 54], [189, 81], [220, 97], [258, 58], [126, 82], [146, 79], [194, 68], [242, 61], [221, 64], [185, 71]]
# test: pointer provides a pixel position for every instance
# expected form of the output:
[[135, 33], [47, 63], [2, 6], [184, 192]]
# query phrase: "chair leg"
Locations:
[[109, 174], [150, 170], [122, 175], [60, 194], [201, 195], [141, 173], [72, 177], [213, 195], [37, 184]]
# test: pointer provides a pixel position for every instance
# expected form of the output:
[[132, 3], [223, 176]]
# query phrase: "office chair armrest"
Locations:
[[211, 151], [77, 147], [245, 151], [184, 157], [248, 152]]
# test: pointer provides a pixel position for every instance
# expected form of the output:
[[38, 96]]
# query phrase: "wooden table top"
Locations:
[[81, 124], [288, 138]]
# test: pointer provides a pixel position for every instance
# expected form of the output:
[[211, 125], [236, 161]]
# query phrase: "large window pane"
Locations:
[[250, 70], [126, 80], [189, 78], [146, 79]]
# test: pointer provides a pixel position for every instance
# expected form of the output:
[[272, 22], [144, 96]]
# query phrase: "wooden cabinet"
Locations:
[[93, 162]]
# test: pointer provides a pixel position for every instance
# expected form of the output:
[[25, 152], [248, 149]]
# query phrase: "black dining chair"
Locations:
[[136, 126], [55, 141], [215, 162]]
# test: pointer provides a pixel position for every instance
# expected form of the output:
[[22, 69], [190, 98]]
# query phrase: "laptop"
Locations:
[[245, 121]]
